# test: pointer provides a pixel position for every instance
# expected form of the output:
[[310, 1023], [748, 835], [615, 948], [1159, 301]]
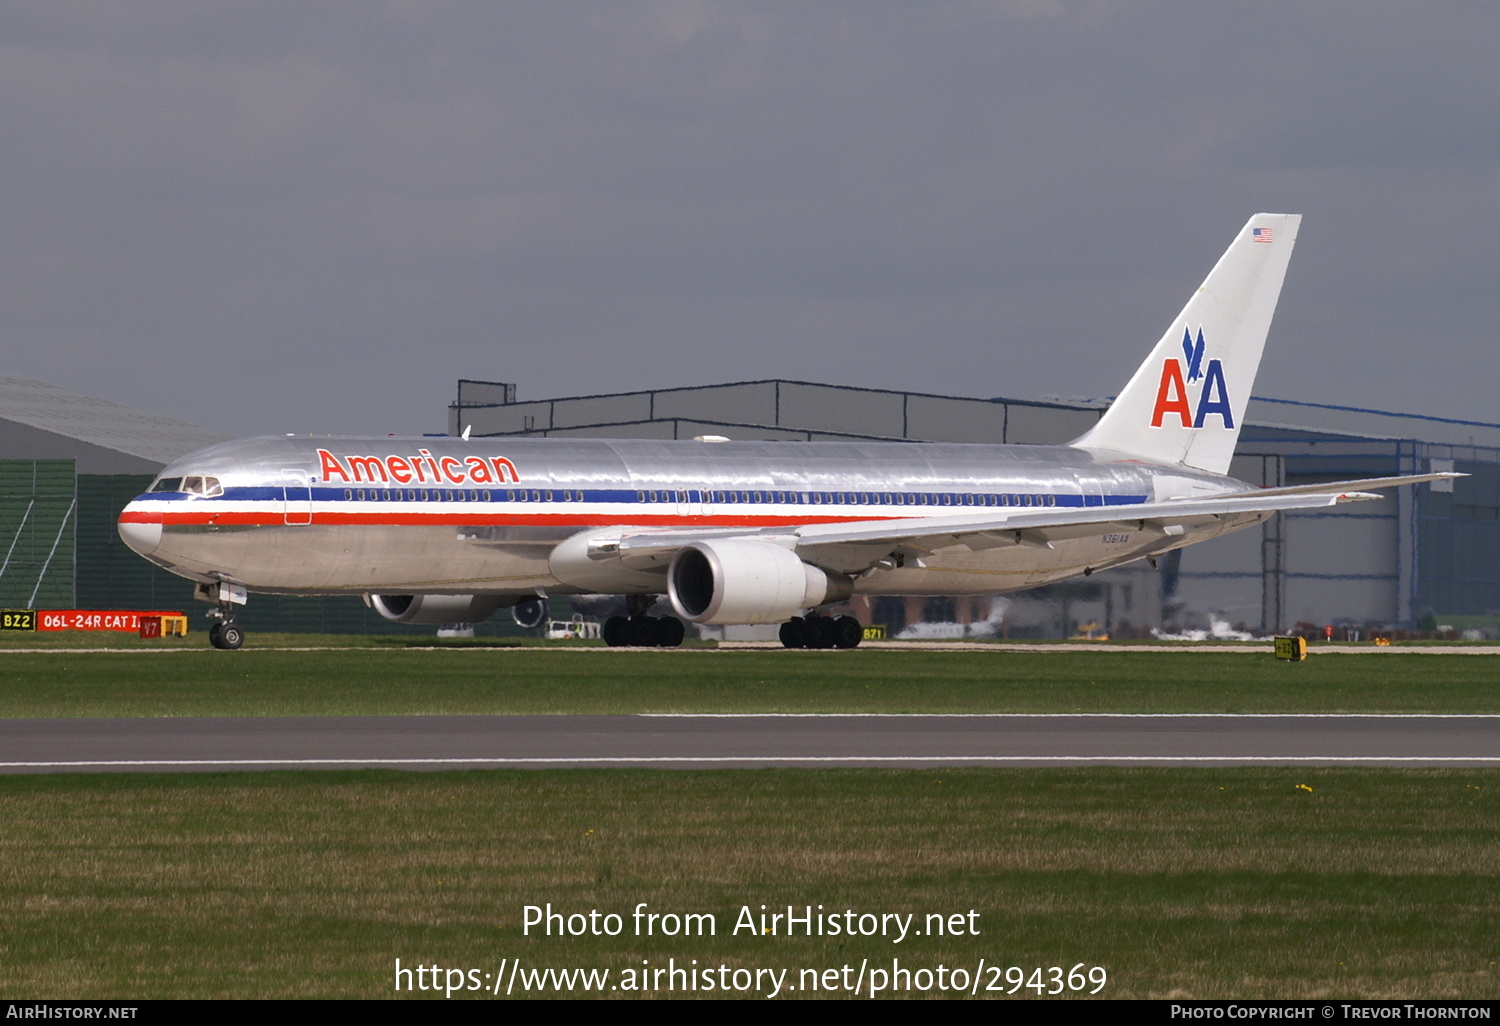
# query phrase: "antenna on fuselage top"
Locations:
[[467, 429]]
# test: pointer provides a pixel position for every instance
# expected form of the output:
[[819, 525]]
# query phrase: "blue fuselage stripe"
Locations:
[[659, 497]]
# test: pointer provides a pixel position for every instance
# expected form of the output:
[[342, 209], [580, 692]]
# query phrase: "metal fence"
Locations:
[[38, 530]]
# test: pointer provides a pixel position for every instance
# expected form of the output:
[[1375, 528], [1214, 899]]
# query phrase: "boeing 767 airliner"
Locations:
[[453, 529]]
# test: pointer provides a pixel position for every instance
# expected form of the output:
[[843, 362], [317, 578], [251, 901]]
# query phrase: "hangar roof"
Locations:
[[782, 408], [96, 423]]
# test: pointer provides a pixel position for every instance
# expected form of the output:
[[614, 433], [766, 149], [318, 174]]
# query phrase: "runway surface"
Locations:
[[683, 742], [955, 645]]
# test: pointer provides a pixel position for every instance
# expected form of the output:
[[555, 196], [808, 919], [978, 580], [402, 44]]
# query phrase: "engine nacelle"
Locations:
[[438, 609], [530, 612], [737, 581]]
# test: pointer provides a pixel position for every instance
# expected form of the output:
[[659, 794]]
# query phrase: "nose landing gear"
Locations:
[[226, 634]]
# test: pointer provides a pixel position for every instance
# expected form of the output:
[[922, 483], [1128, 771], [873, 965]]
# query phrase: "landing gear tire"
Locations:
[[643, 632], [792, 633], [640, 632], [847, 632], [615, 632], [227, 636], [817, 632], [670, 631]]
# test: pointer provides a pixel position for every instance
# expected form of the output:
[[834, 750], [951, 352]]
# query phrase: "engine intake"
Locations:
[[736, 581], [438, 609]]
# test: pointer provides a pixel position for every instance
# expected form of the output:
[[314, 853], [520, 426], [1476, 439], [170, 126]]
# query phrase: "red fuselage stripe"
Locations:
[[269, 518]]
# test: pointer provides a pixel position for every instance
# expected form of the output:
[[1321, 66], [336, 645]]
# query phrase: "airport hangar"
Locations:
[[69, 462], [1426, 556]]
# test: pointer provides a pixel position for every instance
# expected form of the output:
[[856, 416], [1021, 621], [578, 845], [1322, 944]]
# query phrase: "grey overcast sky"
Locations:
[[316, 216]]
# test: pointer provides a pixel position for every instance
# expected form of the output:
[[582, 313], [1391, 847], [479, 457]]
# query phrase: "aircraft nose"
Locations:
[[142, 537]]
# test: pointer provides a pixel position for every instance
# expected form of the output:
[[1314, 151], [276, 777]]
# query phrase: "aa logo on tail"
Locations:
[[1177, 375]]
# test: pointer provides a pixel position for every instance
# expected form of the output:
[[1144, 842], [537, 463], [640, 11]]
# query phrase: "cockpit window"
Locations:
[[192, 485]]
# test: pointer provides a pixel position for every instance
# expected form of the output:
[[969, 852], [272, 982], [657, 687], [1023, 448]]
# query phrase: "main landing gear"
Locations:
[[640, 629], [814, 631], [643, 632]]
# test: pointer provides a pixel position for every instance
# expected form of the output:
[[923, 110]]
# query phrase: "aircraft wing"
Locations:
[[867, 541], [1040, 527]]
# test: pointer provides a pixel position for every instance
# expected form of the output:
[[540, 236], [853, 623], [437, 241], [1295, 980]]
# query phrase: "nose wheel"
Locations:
[[226, 634], [223, 632]]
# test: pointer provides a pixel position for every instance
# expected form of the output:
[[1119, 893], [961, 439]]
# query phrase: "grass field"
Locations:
[[396, 680], [1178, 882], [1187, 883]]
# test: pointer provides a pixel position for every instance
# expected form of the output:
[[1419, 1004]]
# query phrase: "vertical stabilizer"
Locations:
[[1186, 402]]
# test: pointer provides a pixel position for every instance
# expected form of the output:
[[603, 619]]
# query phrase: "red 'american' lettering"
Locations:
[[424, 468]]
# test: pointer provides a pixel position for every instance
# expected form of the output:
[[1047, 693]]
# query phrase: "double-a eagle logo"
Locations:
[[1177, 375]]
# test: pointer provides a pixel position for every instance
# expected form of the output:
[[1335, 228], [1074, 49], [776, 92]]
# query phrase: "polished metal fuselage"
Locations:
[[393, 516]]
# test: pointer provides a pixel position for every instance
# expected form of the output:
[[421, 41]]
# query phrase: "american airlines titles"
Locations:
[[424, 468]]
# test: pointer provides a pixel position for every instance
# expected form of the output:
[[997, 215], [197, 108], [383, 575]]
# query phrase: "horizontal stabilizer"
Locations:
[[1360, 485]]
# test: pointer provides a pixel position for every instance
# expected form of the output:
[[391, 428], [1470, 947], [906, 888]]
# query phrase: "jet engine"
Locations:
[[738, 581], [530, 612], [438, 609]]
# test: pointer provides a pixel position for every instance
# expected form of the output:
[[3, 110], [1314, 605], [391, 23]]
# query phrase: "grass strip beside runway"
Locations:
[[372, 681], [1191, 883]]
